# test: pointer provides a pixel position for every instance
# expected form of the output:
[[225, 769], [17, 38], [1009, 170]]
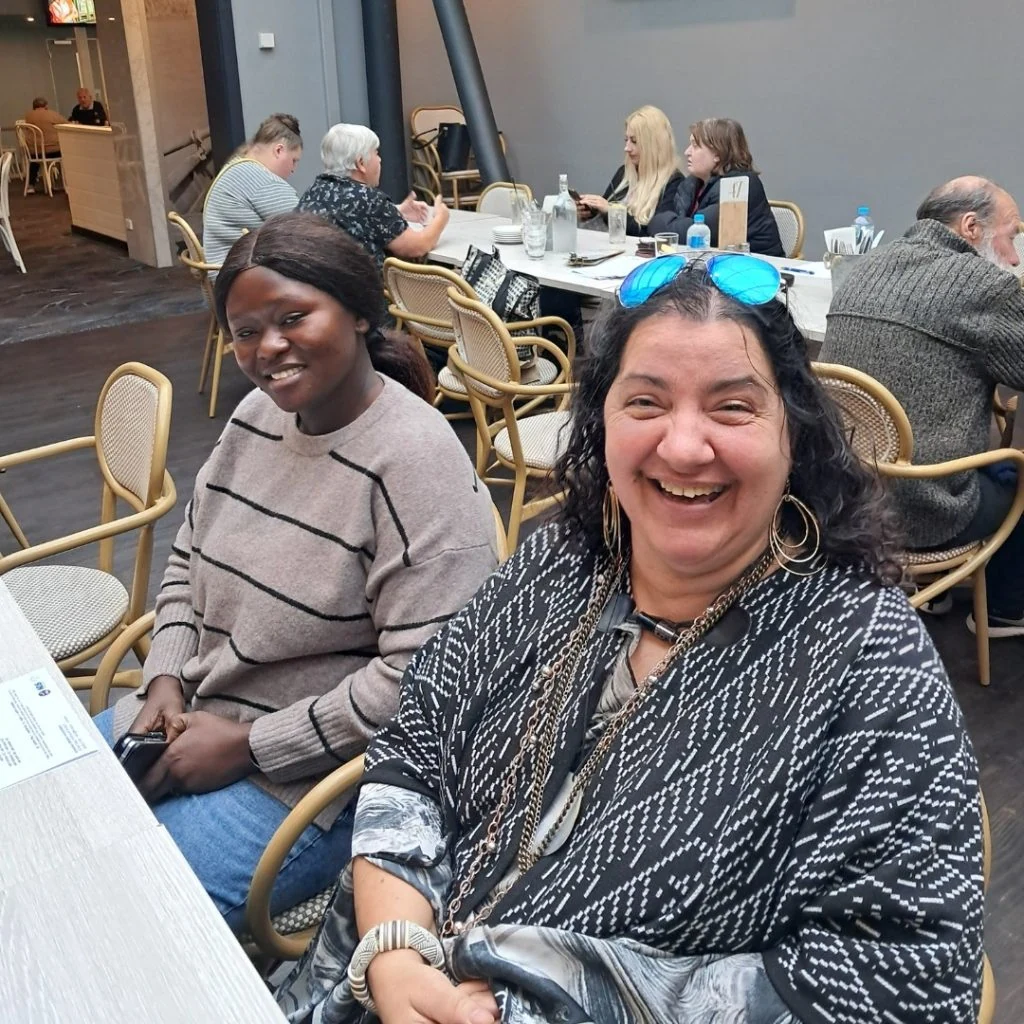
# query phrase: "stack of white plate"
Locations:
[[508, 234]]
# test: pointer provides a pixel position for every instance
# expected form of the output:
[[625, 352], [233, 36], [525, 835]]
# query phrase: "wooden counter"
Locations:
[[90, 178]]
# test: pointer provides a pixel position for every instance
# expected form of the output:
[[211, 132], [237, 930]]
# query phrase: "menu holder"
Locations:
[[732, 212]]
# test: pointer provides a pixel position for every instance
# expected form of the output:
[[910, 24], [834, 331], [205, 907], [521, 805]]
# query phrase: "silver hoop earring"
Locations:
[[611, 522]]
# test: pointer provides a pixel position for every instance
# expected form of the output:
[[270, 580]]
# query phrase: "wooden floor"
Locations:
[[48, 389], [77, 282]]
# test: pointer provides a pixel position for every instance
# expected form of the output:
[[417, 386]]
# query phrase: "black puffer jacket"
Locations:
[[694, 197], [666, 202]]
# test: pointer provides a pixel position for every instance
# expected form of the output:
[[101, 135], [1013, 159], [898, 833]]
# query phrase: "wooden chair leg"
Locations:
[[211, 334], [218, 358], [515, 513], [981, 626]]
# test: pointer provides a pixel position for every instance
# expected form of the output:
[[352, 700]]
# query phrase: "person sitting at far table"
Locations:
[[347, 195], [690, 755], [938, 318], [88, 111], [252, 186], [646, 184], [46, 120], [336, 526], [718, 149]]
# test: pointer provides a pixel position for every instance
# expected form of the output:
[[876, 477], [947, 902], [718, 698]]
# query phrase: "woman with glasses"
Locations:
[[690, 755], [646, 184], [718, 149]]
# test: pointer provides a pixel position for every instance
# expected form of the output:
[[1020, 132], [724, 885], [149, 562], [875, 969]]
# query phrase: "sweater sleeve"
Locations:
[[889, 906], [998, 320], [409, 601], [175, 633]]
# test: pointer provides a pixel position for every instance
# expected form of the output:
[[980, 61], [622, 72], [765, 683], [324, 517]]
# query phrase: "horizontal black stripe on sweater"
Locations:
[[174, 583], [276, 594], [231, 699], [179, 552], [175, 622], [255, 430], [323, 739], [355, 652], [387, 500], [399, 627], [334, 538], [362, 715]]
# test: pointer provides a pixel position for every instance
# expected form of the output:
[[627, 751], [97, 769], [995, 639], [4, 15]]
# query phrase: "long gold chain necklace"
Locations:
[[552, 687]]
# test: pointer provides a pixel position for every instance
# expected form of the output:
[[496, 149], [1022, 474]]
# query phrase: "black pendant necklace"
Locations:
[[663, 629]]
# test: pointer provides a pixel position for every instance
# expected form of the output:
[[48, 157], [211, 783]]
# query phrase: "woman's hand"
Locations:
[[207, 753], [413, 210], [164, 702], [596, 204], [409, 991]]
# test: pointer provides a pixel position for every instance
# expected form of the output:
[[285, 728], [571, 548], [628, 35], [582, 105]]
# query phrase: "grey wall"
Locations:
[[25, 65], [844, 103], [299, 76]]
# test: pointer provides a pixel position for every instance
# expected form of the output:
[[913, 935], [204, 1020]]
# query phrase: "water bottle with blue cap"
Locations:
[[699, 235]]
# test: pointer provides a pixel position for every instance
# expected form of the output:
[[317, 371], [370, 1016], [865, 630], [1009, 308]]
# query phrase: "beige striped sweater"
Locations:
[[308, 571]]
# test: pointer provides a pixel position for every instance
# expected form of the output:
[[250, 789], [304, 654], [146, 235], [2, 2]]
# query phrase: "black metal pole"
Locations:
[[384, 93], [220, 76], [469, 80]]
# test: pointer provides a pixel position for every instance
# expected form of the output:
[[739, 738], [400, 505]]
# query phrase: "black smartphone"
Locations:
[[575, 195], [138, 752]]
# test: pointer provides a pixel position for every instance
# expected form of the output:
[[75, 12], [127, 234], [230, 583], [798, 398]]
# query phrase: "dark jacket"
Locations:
[[693, 197], [666, 204]]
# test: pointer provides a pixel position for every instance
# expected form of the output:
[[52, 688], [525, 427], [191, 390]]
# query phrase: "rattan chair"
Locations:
[[880, 434], [528, 445], [6, 231], [496, 199], [32, 144], [790, 219], [77, 611], [216, 346], [419, 299]]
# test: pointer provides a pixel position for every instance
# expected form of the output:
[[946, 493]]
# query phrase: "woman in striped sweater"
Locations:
[[337, 524]]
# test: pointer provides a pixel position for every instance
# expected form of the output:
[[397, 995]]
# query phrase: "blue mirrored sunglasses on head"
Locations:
[[743, 278]]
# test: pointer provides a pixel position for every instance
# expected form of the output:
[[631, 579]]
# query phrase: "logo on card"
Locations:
[[42, 690]]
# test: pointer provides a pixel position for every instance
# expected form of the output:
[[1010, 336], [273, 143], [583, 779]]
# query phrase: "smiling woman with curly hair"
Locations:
[[690, 755]]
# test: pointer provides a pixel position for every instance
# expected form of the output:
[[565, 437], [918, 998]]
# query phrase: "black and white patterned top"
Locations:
[[366, 213], [788, 829]]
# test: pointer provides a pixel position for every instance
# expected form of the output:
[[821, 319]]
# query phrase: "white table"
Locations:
[[809, 298], [101, 918]]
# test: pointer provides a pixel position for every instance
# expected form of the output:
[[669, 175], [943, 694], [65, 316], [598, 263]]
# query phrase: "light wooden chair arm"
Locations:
[[399, 312], [94, 534], [903, 471], [99, 692], [504, 386], [257, 906], [549, 321], [539, 341], [73, 444], [206, 268]]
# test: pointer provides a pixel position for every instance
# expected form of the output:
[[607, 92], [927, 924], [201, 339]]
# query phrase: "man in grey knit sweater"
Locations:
[[937, 318]]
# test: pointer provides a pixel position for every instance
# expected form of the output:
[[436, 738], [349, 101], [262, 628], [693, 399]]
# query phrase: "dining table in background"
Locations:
[[809, 296], [101, 918]]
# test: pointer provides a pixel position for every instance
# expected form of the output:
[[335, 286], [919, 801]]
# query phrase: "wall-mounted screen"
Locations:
[[71, 12]]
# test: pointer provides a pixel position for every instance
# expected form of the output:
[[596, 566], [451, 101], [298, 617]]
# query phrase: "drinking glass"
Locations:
[[665, 242], [616, 224], [535, 236]]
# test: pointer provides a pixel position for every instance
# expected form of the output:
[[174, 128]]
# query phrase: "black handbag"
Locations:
[[453, 146], [512, 295]]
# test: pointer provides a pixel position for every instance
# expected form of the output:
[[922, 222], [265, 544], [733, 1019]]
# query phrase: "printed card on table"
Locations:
[[39, 729]]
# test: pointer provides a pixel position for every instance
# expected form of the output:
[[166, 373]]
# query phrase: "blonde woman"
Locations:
[[718, 149], [648, 180]]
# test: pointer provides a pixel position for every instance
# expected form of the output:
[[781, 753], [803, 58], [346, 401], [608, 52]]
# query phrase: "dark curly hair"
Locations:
[[857, 526]]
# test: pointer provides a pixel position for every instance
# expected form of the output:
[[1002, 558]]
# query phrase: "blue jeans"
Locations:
[[223, 834]]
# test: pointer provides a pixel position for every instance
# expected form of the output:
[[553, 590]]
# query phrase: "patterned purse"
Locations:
[[512, 295]]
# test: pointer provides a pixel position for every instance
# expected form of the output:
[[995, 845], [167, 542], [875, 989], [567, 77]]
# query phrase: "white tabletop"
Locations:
[[101, 918], [809, 297]]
